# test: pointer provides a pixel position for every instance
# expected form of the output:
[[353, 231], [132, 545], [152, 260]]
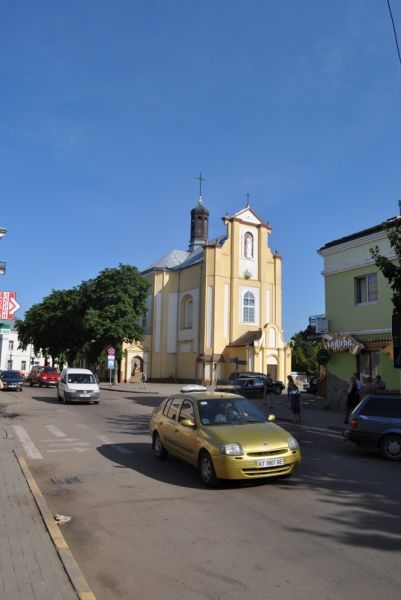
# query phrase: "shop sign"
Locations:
[[341, 343], [323, 357]]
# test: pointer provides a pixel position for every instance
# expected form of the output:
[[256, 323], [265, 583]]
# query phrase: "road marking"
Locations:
[[322, 432], [63, 440], [69, 450], [68, 444], [27, 443], [121, 449], [56, 431]]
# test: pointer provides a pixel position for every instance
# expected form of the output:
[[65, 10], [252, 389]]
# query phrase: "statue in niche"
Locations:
[[248, 245]]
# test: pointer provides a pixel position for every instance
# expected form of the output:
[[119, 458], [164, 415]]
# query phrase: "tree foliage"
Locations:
[[304, 351], [100, 312], [391, 269]]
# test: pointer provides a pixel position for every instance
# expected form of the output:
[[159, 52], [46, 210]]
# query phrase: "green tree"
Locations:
[[113, 304], [391, 269], [304, 351], [53, 326], [84, 321]]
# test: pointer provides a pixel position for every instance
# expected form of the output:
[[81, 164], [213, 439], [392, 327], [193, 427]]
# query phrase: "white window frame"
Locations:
[[365, 292], [248, 309]]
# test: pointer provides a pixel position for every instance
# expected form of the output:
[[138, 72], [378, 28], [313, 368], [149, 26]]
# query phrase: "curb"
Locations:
[[117, 389], [71, 567]]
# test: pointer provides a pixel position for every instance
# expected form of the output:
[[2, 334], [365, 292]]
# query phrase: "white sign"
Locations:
[[110, 362]]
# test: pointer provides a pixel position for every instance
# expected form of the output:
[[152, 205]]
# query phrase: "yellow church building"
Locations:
[[215, 308]]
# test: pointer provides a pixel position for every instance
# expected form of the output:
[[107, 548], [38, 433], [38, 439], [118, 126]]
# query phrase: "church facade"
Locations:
[[215, 308]]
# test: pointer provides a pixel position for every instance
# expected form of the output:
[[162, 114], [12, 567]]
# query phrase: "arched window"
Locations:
[[186, 316], [249, 308], [248, 245]]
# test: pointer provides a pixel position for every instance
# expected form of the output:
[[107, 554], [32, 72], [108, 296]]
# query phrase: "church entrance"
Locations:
[[137, 368]]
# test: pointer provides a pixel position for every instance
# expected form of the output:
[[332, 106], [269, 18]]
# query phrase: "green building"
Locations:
[[358, 311]]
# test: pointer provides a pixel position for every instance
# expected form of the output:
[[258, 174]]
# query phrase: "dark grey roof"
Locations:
[[363, 233]]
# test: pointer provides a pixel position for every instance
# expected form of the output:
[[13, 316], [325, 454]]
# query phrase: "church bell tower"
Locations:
[[199, 222]]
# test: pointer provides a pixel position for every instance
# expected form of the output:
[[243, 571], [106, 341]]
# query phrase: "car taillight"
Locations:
[[354, 423]]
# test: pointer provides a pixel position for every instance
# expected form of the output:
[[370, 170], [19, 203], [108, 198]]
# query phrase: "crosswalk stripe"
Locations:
[[27, 443]]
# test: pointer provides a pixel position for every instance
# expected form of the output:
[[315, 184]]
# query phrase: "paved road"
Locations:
[[146, 529]]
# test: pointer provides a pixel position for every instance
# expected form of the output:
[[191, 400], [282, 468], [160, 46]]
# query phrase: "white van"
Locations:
[[78, 385]]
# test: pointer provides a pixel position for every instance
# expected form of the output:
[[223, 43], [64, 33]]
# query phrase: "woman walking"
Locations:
[[294, 398]]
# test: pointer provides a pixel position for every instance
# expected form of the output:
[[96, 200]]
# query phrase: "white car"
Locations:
[[78, 385]]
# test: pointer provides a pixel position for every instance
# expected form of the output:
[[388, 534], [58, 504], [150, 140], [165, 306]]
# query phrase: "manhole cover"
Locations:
[[65, 480]]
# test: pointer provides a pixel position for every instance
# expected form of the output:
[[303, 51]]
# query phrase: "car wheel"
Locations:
[[206, 470], [390, 447], [96, 402], [158, 449]]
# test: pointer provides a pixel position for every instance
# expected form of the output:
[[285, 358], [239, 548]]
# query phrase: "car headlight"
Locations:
[[292, 443], [233, 449]]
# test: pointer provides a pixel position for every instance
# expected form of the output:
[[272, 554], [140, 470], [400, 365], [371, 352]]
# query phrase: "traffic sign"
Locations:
[[110, 362], [8, 305], [111, 351]]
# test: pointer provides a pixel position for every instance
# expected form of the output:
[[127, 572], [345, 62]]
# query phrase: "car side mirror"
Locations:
[[271, 418], [187, 423]]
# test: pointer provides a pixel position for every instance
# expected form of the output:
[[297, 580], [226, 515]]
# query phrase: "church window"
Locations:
[[249, 308], [186, 316], [248, 245]]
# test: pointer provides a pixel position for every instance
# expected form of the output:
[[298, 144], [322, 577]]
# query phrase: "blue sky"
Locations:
[[109, 110]]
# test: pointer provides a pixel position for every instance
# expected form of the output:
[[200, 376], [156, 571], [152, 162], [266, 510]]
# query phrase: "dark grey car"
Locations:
[[376, 422]]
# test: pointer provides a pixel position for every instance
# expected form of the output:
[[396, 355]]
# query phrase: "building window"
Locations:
[[366, 289], [249, 308], [248, 245], [11, 345], [186, 316], [23, 365]]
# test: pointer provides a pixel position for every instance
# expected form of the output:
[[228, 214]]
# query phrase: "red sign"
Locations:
[[8, 305], [111, 351]]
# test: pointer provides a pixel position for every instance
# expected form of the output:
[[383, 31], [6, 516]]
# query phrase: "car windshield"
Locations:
[[81, 378], [225, 411], [10, 374]]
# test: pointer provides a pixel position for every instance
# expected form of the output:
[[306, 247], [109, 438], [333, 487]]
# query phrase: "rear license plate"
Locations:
[[270, 462]]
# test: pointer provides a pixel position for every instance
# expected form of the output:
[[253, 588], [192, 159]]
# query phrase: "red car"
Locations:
[[45, 376]]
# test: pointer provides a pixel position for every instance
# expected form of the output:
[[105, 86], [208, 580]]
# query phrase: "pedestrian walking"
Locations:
[[143, 380], [294, 398], [268, 391], [353, 397]]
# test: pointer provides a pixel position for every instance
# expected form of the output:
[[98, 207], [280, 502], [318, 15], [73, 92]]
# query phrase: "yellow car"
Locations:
[[224, 435]]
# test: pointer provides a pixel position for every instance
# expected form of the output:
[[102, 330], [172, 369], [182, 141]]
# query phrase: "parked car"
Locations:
[[250, 387], [376, 422], [77, 385], [224, 436], [278, 386], [48, 376], [11, 380]]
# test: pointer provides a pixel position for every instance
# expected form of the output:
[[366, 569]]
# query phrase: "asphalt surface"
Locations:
[[36, 562]]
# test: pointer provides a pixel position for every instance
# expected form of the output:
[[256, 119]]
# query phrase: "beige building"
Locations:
[[215, 308]]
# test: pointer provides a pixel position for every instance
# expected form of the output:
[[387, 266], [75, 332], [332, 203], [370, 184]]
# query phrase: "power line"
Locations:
[[395, 31]]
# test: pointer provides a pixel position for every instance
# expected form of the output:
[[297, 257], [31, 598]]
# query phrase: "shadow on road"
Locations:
[[171, 471]]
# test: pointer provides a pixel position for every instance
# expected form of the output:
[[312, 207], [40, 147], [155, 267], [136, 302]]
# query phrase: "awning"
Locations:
[[247, 339]]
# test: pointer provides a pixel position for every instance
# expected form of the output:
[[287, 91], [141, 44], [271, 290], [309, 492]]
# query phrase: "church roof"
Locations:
[[247, 338], [176, 260]]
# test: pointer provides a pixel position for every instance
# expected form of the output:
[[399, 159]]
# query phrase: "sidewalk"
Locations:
[[35, 561]]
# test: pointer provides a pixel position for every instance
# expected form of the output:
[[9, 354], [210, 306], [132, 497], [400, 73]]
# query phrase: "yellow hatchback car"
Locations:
[[224, 435]]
